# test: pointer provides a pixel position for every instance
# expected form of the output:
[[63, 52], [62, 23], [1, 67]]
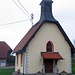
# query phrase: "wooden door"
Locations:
[[48, 66]]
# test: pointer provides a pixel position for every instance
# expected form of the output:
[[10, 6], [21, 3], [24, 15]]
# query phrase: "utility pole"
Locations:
[[32, 17]]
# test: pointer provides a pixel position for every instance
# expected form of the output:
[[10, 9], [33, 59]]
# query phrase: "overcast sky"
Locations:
[[14, 23]]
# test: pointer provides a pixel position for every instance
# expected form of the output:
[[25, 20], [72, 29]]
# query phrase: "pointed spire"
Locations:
[[46, 11]]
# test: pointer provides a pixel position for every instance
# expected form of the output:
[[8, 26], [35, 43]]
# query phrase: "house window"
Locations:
[[21, 59], [49, 47]]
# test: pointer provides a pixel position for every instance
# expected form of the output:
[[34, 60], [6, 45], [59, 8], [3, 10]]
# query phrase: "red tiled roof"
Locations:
[[4, 48], [54, 55], [26, 38], [31, 33]]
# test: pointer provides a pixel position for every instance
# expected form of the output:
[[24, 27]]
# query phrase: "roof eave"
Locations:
[[65, 36], [60, 28], [63, 33]]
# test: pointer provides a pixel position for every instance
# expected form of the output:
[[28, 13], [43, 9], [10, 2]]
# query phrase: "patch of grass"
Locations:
[[73, 68], [6, 71]]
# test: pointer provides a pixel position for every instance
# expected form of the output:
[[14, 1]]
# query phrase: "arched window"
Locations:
[[49, 47]]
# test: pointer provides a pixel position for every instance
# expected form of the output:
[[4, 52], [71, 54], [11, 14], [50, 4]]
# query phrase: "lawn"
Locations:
[[73, 68], [6, 71]]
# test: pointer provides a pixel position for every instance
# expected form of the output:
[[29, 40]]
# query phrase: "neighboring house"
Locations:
[[46, 47], [4, 49]]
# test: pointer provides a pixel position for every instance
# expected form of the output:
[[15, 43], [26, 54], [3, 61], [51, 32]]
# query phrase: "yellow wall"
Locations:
[[48, 32], [19, 65]]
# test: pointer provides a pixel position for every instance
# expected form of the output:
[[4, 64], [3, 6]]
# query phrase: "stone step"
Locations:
[[51, 74]]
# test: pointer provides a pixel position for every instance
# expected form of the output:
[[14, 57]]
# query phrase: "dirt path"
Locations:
[[8, 67]]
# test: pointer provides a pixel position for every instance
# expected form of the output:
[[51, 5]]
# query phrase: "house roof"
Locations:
[[46, 16], [4, 48], [49, 55], [27, 38], [31, 33]]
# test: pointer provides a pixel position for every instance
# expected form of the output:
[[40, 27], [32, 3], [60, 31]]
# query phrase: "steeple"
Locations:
[[46, 11]]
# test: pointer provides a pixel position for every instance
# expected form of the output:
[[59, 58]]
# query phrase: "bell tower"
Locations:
[[46, 11]]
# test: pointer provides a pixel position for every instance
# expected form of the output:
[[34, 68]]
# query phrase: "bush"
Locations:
[[73, 65]]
